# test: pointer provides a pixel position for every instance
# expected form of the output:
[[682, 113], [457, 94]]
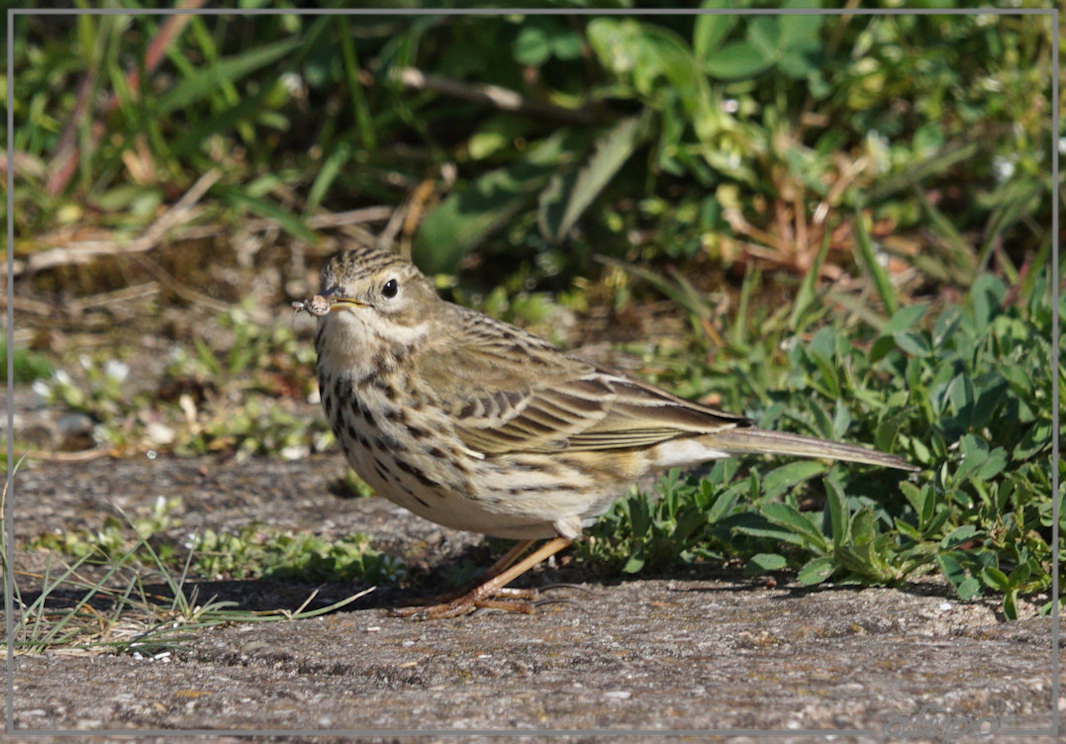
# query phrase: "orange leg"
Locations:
[[502, 563], [502, 573]]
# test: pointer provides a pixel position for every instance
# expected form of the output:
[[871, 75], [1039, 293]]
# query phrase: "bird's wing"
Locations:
[[510, 391]]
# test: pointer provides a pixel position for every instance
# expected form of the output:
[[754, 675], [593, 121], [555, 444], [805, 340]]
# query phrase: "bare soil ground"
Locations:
[[686, 652]]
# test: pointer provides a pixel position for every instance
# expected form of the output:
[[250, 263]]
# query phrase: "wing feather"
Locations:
[[510, 391]]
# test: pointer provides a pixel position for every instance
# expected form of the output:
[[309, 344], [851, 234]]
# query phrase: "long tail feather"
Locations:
[[759, 441]]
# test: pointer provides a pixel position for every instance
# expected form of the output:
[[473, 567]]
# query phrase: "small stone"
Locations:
[[295, 452]]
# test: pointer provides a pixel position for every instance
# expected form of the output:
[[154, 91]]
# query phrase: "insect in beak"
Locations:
[[322, 304]]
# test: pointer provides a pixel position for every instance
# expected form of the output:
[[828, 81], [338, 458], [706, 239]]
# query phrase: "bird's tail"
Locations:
[[760, 442]]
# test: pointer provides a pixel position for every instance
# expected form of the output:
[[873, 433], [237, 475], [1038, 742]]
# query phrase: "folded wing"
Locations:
[[509, 391]]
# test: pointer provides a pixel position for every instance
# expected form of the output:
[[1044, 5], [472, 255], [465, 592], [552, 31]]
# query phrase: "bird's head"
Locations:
[[375, 300]]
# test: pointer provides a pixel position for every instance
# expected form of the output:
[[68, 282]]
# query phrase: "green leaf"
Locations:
[[986, 298], [915, 497], [974, 456], [326, 175], [961, 396], [904, 319], [995, 579], [789, 517], [908, 530], [937, 521], [1010, 605], [621, 45], [736, 60], [820, 350], [687, 522], [868, 259], [463, 220], [1037, 438], [795, 65], [567, 45], [764, 34], [912, 343], [787, 476], [765, 563], [634, 564], [804, 301], [532, 46], [710, 29], [207, 81], [640, 516], [839, 516], [1020, 574], [760, 527], [958, 536], [993, 465], [798, 31], [816, 570], [863, 527], [559, 211], [266, 208], [951, 568], [968, 588], [723, 505]]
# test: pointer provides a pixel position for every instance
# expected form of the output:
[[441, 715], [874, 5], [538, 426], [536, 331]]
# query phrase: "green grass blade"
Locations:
[[207, 81], [867, 257], [805, 298], [264, 208]]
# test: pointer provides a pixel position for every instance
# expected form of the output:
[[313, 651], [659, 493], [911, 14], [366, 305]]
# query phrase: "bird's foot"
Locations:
[[492, 593], [506, 599]]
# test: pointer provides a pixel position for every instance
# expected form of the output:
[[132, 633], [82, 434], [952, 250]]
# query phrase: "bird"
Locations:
[[479, 425]]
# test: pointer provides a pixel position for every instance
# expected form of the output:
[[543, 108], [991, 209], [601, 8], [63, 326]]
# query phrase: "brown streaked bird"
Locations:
[[478, 425]]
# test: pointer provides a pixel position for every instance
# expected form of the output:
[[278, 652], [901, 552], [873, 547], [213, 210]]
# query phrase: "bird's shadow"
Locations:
[[295, 596]]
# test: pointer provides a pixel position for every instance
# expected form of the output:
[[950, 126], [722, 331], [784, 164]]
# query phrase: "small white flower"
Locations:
[[117, 370], [879, 151], [1003, 168], [292, 82]]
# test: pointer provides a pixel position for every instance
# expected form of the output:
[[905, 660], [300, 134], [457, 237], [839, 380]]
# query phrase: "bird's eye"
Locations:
[[390, 289]]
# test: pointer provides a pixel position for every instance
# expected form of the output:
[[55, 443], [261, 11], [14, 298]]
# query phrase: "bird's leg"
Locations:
[[502, 563], [482, 594]]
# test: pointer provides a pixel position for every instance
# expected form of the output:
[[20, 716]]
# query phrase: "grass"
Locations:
[[850, 218], [125, 588], [245, 399], [967, 398], [28, 365]]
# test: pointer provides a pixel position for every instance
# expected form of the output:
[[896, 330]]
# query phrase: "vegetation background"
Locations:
[[837, 224]]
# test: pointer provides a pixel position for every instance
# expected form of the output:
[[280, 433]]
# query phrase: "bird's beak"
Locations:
[[338, 300], [335, 302]]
